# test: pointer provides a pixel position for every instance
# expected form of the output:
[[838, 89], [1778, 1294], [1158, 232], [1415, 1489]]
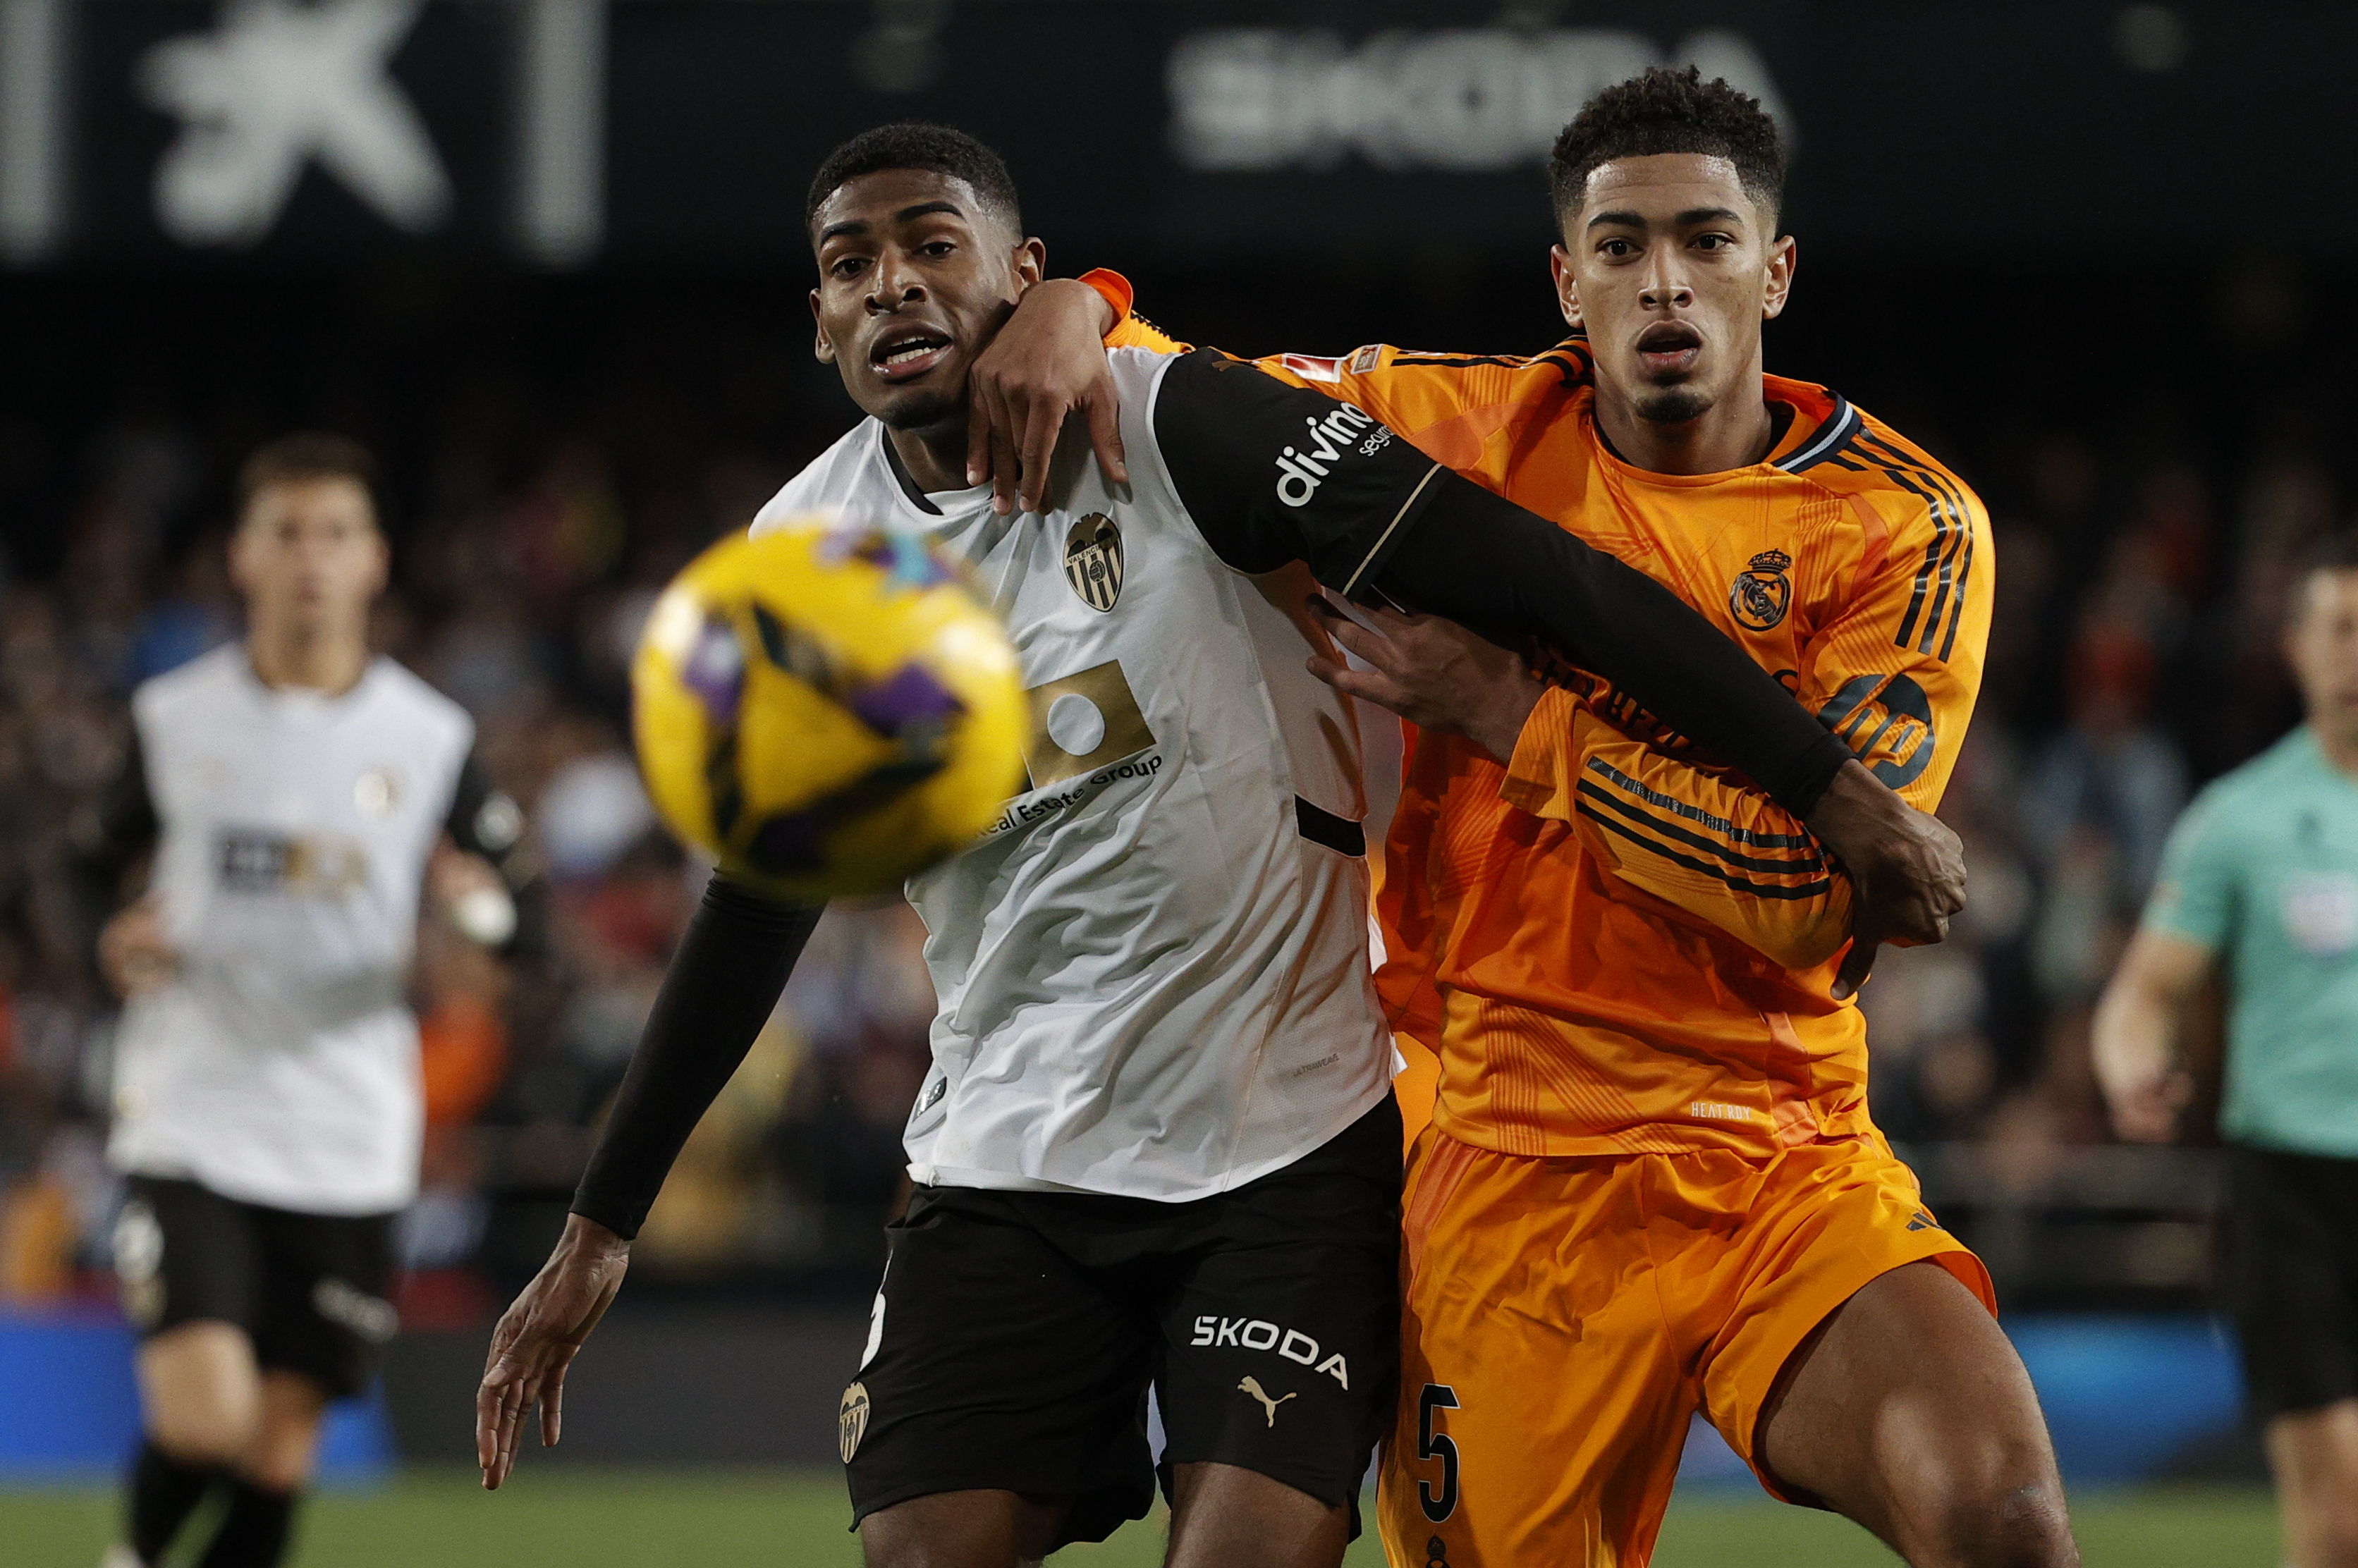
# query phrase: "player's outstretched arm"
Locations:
[[1701, 839], [736, 957], [1272, 473]]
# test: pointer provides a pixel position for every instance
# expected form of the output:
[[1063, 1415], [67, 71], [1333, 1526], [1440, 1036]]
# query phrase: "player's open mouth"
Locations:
[[1669, 348], [906, 355]]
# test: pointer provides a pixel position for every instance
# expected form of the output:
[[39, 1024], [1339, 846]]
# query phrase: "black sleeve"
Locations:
[[118, 827], [732, 964], [484, 819], [1273, 473]]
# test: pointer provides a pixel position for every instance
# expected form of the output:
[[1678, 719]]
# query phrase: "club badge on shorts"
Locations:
[[851, 1421], [1093, 560], [1761, 593]]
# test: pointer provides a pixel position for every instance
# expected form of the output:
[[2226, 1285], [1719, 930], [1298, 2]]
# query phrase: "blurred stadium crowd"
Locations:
[[2133, 655]]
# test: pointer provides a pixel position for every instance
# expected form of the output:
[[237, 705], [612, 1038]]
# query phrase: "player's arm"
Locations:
[[469, 871], [112, 841], [2136, 1033], [732, 963], [2135, 1030], [1696, 837], [1273, 473], [1701, 839]]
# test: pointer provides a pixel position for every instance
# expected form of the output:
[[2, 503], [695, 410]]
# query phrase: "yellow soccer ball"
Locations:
[[825, 710]]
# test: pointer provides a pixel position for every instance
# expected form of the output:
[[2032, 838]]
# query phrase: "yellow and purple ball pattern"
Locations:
[[825, 710]]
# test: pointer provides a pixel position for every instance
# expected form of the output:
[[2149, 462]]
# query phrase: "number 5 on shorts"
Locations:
[[1432, 1444]]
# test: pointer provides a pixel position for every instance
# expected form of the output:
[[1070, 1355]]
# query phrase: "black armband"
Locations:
[[731, 964]]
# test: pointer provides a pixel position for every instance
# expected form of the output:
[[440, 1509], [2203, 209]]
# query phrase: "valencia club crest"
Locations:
[[1093, 560]]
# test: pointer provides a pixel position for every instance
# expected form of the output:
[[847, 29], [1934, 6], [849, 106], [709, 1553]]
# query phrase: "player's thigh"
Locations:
[[1223, 1516], [1542, 1407], [995, 1364], [324, 1283], [974, 1529], [199, 1390], [1908, 1411], [1281, 1342], [185, 1259]]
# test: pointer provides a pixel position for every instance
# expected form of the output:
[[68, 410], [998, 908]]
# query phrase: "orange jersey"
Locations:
[[1616, 945]]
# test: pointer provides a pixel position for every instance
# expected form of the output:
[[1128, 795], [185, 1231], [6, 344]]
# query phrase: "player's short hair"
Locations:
[[2336, 550], [1664, 111], [912, 144], [303, 456]]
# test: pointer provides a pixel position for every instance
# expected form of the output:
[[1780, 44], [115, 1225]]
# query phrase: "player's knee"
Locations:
[[2334, 1532], [279, 1466], [2019, 1521], [202, 1434]]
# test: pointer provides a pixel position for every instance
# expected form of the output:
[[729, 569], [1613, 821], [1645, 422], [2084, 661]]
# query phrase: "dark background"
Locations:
[[2097, 257]]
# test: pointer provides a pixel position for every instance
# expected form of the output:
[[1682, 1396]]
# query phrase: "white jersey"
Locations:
[[1153, 972], [279, 1066]]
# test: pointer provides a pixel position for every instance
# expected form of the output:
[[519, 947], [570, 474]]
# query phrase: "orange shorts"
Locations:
[[1564, 1319]]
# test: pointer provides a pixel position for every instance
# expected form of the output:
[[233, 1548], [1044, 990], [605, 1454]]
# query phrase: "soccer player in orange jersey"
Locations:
[[1651, 1186]]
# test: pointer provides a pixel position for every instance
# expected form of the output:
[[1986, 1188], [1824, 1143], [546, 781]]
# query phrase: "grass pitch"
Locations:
[[577, 1518]]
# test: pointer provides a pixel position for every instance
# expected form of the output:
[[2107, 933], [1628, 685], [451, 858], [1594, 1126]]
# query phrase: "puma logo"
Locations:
[[1252, 1386]]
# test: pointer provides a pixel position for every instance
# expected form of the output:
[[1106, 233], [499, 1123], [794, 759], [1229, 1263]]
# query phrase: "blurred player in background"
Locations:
[[2260, 880], [1157, 1146], [292, 793], [1651, 1185]]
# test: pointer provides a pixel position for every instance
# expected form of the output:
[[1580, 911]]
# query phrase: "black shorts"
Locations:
[[1016, 1334], [309, 1289], [2291, 1277]]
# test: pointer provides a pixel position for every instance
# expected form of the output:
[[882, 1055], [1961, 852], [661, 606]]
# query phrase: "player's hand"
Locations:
[[1906, 870], [472, 892], [1432, 672], [133, 951], [2147, 1112], [537, 1338], [1048, 361]]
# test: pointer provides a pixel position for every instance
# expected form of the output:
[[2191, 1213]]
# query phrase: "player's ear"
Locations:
[[1784, 256], [821, 349], [1031, 262], [1567, 292], [240, 575], [380, 564]]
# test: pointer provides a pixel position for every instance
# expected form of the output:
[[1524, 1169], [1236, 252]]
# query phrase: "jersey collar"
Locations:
[[1816, 423]]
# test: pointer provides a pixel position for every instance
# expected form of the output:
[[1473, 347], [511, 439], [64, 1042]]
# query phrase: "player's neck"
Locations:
[[2341, 748], [1733, 433], [330, 660], [933, 456]]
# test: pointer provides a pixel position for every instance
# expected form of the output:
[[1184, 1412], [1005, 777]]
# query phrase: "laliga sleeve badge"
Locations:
[[1093, 560], [1761, 593], [851, 1421]]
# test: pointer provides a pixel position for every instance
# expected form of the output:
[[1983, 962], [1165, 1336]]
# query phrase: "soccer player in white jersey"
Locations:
[[295, 793], [1157, 1147]]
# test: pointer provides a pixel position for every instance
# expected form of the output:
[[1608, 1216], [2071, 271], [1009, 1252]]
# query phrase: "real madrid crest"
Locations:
[[851, 1421], [1762, 591], [1093, 560]]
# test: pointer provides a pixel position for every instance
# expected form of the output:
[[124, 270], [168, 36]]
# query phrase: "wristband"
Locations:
[[1114, 290]]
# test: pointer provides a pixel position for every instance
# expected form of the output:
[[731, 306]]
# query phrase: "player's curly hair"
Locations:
[[912, 144], [1664, 111]]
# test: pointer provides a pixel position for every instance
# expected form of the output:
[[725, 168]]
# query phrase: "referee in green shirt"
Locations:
[[2262, 876]]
